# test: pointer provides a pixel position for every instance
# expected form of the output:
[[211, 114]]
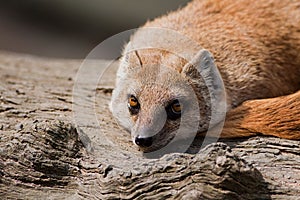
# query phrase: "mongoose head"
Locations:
[[159, 95]]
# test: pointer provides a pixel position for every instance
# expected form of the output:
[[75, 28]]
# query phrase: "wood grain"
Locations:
[[45, 155]]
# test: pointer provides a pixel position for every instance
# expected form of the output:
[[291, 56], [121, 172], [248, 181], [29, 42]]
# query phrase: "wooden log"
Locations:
[[45, 155]]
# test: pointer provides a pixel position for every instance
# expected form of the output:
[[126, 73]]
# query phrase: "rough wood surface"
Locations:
[[44, 155]]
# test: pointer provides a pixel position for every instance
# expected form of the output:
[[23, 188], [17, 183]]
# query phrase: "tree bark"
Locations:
[[46, 154]]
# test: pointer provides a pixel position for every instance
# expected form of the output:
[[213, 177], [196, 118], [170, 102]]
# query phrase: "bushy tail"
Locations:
[[278, 117]]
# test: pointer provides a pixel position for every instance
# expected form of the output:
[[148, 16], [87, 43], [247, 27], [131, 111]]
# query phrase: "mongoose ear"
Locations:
[[202, 67], [203, 72], [201, 64]]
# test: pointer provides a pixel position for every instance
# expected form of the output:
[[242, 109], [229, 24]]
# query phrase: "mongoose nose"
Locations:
[[143, 142]]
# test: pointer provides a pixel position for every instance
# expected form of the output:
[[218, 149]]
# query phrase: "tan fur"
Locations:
[[260, 39], [256, 47]]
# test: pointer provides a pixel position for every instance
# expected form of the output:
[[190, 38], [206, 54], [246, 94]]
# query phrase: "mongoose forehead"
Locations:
[[155, 57], [252, 47]]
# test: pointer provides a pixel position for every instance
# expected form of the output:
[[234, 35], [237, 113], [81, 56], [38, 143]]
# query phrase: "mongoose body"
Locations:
[[254, 44]]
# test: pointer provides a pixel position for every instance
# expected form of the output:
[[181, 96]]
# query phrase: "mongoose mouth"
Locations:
[[162, 139]]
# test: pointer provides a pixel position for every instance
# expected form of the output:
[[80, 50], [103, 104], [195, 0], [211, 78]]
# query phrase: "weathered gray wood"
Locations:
[[44, 155]]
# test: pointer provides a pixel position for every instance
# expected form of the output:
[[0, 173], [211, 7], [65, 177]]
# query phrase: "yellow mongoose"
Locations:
[[254, 44]]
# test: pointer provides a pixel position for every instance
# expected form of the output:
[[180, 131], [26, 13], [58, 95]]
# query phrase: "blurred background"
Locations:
[[72, 28]]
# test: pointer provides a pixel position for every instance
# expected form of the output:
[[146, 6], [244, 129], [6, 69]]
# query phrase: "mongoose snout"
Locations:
[[143, 142]]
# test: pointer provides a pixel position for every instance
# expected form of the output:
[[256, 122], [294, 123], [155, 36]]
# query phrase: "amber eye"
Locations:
[[133, 102], [176, 107], [174, 110], [133, 105]]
